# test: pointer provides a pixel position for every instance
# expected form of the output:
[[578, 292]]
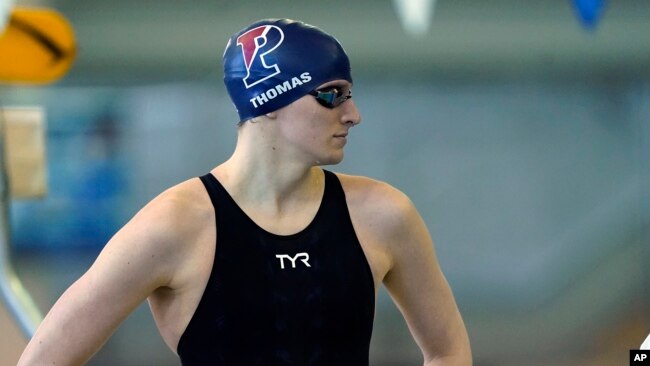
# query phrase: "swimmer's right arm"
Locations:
[[140, 258]]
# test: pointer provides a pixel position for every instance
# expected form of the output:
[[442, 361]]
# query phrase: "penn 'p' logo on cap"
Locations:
[[256, 44]]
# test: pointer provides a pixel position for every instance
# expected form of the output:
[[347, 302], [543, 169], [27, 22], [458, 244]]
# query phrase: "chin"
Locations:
[[330, 160]]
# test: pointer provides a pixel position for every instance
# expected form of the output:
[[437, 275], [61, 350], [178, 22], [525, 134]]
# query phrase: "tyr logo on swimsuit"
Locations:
[[282, 257]]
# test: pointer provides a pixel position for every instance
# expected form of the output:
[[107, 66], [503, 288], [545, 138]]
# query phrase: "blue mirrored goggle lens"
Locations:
[[331, 98]]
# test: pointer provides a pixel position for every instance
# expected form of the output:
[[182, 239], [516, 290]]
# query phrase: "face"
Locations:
[[315, 130]]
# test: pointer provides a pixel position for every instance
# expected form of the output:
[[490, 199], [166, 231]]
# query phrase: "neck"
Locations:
[[262, 173]]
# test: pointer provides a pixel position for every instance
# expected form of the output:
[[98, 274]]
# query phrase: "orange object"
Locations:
[[37, 46]]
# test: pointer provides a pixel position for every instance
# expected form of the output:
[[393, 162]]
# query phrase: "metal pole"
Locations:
[[12, 292]]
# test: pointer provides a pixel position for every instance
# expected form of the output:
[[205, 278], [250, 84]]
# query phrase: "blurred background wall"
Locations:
[[521, 135]]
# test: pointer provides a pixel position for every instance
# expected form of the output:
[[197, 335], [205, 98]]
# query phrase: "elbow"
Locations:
[[459, 354], [451, 360]]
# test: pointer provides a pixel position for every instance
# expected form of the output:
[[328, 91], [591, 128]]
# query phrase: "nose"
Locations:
[[351, 113]]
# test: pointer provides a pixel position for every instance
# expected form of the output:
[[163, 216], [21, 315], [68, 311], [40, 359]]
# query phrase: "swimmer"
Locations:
[[268, 259]]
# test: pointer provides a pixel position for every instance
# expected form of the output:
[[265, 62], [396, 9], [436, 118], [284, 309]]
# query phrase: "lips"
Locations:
[[344, 134]]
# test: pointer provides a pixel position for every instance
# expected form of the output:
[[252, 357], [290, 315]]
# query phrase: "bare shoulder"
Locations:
[[384, 219], [170, 227], [180, 208], [382, 203]]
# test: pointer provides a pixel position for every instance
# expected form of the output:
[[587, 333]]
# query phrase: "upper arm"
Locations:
[[417, 285], [140, 258]]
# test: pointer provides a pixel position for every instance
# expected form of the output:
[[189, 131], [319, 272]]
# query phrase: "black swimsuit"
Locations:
[[301, 299]]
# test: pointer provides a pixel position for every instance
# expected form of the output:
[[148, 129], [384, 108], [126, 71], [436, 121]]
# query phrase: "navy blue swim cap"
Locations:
[[273, 62]]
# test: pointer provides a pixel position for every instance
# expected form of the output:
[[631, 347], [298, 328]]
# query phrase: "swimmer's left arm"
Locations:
[[420, 290]]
